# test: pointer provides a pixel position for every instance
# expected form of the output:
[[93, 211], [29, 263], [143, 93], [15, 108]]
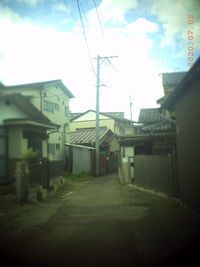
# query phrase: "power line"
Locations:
[[84, 33], [112, 66], [81, 6], [95, 3], [69, 9]]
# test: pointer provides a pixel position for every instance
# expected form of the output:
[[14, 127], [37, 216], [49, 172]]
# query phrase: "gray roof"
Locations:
[[190, 77], [39, 85], [86, 136], [162, 126], [32, 112], [149, 115], [118, 114], [171, 79]]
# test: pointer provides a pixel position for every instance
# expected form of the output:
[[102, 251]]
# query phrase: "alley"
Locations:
[[104, 223]]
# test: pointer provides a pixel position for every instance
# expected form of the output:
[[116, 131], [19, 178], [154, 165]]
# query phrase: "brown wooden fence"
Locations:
[[157, 172]]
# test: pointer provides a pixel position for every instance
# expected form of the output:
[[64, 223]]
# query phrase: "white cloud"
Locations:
[[31, 53], [141, 26], [7, 15], [174, 18], [113, 11]]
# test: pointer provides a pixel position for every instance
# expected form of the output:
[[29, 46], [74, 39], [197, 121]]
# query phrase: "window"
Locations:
[[57, 146], [49, 106], [57, 107], [66, 111], [52, 149]]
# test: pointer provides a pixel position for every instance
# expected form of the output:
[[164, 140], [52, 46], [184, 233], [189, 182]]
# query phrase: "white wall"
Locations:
[[10, 111], [90, 116], [54, 94]]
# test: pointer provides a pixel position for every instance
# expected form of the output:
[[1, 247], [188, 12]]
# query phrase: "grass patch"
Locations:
[[80, 176]]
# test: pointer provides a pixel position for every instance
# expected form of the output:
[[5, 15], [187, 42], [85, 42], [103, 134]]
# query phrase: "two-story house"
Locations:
[[22, 126], [117, 124], [52, 99]]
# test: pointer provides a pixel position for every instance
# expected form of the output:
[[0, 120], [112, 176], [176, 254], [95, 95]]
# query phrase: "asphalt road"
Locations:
[[104, 223]]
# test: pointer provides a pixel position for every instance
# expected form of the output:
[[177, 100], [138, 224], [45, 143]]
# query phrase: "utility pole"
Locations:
[[131, 115], [97, 117], [97, 110]]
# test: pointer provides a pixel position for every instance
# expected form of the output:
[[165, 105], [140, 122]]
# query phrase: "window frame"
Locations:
[[47, 105], [67, 111]]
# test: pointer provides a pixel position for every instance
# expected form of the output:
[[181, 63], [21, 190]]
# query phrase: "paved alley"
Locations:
[[104, 223]]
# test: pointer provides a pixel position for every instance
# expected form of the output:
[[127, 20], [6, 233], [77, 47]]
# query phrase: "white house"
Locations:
[[22, 126], [117, 124], [51, 98]]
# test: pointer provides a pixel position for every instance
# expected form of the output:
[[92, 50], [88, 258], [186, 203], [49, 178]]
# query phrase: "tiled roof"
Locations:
[[171, 79], [149, 115], [192, 75], [161, 126], [86, 136]]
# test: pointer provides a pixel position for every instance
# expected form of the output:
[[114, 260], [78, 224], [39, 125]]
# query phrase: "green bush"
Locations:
[[79, 176], [30, 154]]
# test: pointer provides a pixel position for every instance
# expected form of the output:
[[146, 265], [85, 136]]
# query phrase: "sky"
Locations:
[[45, 40]]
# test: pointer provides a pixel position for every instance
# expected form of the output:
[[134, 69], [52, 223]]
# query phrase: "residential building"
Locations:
[[51, 98], [184, 103], [22, 126], [117, 124], [120, 114], [170, 80], [153, 120]]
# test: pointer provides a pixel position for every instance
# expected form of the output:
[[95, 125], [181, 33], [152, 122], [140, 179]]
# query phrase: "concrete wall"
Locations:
[[187, 110], [124, 166], [114, 145], [122, 127]]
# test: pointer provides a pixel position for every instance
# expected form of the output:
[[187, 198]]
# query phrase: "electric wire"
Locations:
[[81, 6], [95, 3], [85, 37], [112, 66], [70, 11]]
